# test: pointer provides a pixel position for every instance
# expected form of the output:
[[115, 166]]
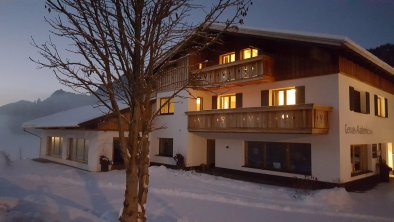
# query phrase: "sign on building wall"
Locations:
[[357, 130]]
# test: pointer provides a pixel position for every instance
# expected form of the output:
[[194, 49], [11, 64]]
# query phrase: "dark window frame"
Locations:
[[168, 105], [355, 101], [166, 147], [74, 151], [295, 158]]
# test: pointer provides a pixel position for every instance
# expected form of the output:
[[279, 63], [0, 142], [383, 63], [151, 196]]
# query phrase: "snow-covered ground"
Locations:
[[34, 191]]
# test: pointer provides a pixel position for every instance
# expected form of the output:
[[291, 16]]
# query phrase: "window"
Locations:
[[199, 104], [227, 58], [284, 157], [165, 147], [284, 97], [78, 150], [227, 102], [55, 144], [167, 106], [381, 108], [359, 101], [248, 53], [359, 159]]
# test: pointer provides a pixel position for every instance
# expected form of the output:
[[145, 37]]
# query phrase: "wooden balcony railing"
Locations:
[[305, 118], [240, 72]]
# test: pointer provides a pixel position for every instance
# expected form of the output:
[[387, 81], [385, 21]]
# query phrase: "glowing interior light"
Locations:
[[291, 97], [199, 65], [281, 98], [198, 104]]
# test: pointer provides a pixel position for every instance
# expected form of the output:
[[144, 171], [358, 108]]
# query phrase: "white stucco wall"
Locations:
[[330, 152], [100, 143], [382, 128], [172, 126]]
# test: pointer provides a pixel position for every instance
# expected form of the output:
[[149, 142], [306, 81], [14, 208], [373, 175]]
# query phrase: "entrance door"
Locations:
[[211, 153], [117, 159]]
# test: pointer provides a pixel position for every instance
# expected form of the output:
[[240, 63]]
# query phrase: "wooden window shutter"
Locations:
[[265, 97], [375, 99], [238, 100], [300, 94], [386, 107], [351, 98], [367, 108], [214, 102]]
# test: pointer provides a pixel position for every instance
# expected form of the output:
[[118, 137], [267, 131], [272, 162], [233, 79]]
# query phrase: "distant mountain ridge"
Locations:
[[60, 100]]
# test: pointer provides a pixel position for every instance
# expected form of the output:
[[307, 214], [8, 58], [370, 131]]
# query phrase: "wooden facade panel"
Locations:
[[357, 71], [234, 73], [174, 77], [304, 62], [106, 123], [286, 119]]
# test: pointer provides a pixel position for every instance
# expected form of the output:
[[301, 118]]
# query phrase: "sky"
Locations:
[[369, 23]]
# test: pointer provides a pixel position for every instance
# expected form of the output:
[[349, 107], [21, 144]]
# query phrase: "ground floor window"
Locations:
[[55, 144], [166, 147], [78, 150], [359, 159], [285, 157]]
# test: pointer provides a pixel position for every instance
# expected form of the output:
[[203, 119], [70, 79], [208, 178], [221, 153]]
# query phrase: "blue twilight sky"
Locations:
[[369, 23]]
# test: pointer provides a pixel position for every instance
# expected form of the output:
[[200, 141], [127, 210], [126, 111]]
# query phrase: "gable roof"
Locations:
[[325, 39], [72, 118]]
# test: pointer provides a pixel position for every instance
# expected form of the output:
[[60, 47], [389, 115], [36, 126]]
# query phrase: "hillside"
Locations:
[[384, 52], [21, 111]]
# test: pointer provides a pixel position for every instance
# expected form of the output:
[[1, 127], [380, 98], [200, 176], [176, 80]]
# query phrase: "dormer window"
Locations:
[[249, 53], [227, 58]]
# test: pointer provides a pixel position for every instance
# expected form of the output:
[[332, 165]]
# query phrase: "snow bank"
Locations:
[[337, 199], [33, 191]]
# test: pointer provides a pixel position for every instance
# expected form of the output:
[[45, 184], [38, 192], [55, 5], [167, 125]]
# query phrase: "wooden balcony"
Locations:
[[300, 119], [257, 69]]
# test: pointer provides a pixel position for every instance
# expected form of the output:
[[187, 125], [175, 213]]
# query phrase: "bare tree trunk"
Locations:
[[130, 204]]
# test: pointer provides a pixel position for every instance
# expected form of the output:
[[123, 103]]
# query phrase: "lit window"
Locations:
[[167, 106], [227, 58], [249, 53], [380, 106], [55, 144], [199, 103], [227, 102], [284, 97], [199, 65]]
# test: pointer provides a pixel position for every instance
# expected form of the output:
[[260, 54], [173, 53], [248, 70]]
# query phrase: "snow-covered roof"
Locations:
[[325, 39], [68, 119]]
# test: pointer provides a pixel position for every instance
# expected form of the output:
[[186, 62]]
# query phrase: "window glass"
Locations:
[[166, 147], [199, 104], [227, 58], [380, 106], [227, 102], [78, 150], [291, 97], [249, 53], [284, 157], [55, 144], [284, 97], [359, 159], [166, 107]]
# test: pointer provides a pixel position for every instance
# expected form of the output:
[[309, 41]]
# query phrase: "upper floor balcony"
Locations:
[[301, 119], [241, 72]]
